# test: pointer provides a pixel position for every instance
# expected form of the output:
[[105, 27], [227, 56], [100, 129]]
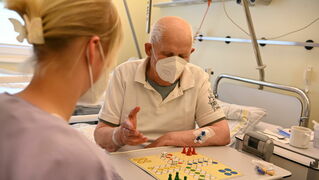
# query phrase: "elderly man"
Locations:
[[161, 98]]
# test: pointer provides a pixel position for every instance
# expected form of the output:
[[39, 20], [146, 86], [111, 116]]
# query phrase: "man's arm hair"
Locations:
[[211, 123], [103, 135], [108, 123]]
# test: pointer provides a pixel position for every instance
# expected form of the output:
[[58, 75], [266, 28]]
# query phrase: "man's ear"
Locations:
[[148, 49], [193, 49]]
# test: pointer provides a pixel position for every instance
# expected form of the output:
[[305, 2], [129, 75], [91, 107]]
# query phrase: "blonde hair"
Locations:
[[64, 20]]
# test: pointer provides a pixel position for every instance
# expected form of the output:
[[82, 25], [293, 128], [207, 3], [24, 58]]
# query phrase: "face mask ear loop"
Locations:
[[90, 72], [153, 52], [101, 51]]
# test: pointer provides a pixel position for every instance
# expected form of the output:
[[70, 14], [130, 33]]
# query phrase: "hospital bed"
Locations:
[[285, 107], [282, 109]]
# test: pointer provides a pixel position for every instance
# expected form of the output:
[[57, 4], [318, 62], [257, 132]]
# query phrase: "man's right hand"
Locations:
[[127, 132]]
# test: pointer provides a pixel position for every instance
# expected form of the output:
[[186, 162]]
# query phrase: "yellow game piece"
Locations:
[[270, 172]]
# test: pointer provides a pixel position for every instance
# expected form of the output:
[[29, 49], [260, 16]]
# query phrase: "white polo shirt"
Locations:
[[190, 102]]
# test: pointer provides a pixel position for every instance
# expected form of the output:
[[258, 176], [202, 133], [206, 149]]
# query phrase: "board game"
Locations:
[[191, 166]]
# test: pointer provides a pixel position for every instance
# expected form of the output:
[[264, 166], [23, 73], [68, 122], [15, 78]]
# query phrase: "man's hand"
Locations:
[[161, 141], [127, 132], [186, 138]]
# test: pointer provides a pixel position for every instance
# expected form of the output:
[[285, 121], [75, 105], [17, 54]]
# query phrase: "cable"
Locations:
[[204, 17], [271, 38], [300, 29], [242, 29]]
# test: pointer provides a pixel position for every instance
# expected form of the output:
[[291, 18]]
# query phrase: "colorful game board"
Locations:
[[194, 167]]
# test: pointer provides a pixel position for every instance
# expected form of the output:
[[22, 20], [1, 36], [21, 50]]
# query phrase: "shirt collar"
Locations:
[[140, 75], [186, 81]]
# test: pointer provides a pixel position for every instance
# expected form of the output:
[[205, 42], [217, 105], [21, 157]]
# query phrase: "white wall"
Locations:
[[285, 64], [138, 10]]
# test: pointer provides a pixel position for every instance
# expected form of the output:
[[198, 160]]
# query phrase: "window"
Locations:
[[12, 54], [11, 51], [8, 35]]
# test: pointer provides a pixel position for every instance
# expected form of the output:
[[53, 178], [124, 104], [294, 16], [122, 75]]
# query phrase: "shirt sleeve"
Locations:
[[112, 107], [207, 108]]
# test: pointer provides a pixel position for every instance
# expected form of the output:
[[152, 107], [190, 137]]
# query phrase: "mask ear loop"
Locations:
[[101, 51], [90, 68], [90, 73], [153, 52]]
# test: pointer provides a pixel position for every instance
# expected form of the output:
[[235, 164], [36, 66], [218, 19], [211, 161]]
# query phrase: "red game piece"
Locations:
[[194, 152], [184, 150], [189, 151]]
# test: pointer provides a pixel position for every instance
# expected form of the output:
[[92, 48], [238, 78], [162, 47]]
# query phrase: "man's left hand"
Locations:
[[161, 141]]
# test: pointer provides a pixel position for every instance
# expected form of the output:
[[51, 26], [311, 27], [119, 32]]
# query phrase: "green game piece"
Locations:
[[176, 176], [170, 177], [188, 167], [185, 177], [202, 175], [192, 169], [197, 173]]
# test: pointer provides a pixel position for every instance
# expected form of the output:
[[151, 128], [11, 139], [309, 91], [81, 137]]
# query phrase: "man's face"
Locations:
[[172, 43], [169, 47]]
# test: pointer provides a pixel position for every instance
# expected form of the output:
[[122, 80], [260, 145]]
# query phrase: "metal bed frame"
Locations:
[[302, 97]]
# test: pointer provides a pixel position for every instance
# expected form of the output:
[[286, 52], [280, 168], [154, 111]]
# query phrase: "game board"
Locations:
[[194, 167]]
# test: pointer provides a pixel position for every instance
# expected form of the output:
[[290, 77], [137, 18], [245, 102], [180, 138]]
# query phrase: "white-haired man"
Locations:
[[161, 98]]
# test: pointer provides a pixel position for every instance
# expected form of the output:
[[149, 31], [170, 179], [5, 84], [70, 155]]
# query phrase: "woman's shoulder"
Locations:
[[49, 142]]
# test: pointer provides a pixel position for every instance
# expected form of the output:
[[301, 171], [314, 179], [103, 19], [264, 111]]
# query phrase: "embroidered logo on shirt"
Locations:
[[212, 101]]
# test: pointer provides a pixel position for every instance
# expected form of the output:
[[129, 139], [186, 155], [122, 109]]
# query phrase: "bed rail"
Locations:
[[302, 97]]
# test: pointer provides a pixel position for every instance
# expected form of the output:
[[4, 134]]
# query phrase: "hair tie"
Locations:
[[32, 31]]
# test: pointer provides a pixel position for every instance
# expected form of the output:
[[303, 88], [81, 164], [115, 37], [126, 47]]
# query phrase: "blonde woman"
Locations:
[[75, 43]]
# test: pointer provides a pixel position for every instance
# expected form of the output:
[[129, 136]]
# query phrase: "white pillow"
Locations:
[[241, 119], [86, 129]]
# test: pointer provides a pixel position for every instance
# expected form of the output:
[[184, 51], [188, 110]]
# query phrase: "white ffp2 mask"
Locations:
[[97, 89], [170, 69]]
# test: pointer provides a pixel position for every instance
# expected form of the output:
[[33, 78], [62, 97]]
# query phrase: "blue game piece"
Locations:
[[205, 161], [234, 172], [194, 162], [260, 171], [227, 169], [215, 162], [221, 170], [228, 174], [203, 133]]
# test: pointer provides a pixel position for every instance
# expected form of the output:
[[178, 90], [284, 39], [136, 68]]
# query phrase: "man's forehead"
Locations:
[[176, 35], [174, 48], [178, 41]]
